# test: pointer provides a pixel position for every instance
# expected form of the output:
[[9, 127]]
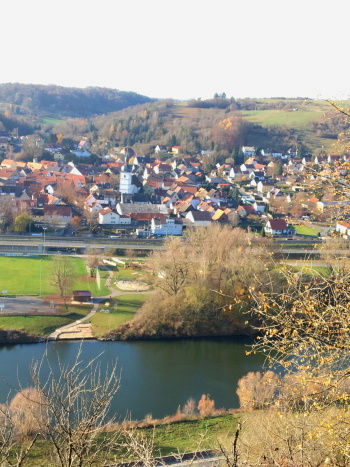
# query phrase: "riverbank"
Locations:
[[168, 437]]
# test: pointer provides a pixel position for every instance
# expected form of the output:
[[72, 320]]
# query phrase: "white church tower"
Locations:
[[126, 186]]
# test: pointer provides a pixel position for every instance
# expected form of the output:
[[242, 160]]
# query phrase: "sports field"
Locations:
[[29, 276]]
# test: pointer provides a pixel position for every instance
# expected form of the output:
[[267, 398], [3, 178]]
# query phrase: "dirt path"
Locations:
[[81, 329]]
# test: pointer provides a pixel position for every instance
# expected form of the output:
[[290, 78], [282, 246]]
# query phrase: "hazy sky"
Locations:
[[181, 49]]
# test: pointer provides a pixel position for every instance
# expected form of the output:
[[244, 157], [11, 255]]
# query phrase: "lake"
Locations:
[[156, 376]]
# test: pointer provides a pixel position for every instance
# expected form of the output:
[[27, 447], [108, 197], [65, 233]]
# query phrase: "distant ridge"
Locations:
[[59, 101]]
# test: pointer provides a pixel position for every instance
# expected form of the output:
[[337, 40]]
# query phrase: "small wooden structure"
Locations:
[[82, 296]]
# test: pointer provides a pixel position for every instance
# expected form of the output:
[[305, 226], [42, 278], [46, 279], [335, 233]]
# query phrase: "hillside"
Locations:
[[269, 123], [58, 101], [129, 119]]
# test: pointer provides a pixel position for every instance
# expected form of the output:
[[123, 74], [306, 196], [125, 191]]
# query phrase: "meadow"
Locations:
[[184, 436], [121, 309], [29, 276], [44, 325]]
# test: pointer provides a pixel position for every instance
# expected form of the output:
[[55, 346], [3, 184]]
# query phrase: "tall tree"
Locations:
[[171, 269], [22, 222], [61, 276]]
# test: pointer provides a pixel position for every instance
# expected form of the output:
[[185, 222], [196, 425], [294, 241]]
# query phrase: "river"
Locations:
[[156, 376]]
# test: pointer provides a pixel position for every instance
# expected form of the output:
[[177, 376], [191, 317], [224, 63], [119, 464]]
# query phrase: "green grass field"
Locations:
[[182, 437], [122, 309], [304, 230], [308, 111], [283, 118], [51, 120], [43, 325], [185, 436], [129, 274], [22, 276]]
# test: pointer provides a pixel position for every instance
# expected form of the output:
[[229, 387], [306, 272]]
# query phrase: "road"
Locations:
[[35, 245], [28, 244]]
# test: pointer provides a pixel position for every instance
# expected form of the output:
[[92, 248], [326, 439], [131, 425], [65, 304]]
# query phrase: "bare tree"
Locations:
[[61, 276], [257, 390], [13, 449], [130, 253], [172, 268], [93, 260], [6, 212], [77, 400]]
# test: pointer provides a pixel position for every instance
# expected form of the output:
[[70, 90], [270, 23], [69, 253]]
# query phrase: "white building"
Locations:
[[199, 218], [107, 216], [343, 228], [248, 151], [126, 185], [166, 226]]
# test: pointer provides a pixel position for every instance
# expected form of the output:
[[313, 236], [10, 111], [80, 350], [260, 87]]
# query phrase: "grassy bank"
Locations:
[[121, 310], [43, 325], [174, 438]]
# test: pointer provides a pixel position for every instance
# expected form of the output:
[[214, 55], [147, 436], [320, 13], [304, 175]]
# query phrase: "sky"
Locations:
[[180, 49]]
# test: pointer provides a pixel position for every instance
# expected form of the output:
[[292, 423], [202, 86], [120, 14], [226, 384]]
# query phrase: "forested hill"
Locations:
[[60, 101]]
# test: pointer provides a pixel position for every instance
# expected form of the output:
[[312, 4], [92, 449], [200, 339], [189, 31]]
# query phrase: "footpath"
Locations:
[[82, 328]]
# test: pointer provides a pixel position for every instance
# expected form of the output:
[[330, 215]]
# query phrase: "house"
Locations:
[[176, 150], [343, 228], [248, 151], [161, 226], [260, 207], [57, 213], [107, 216], [160, 149], [199, 218], [276, 227], [82, 296], [8, 164], [322, 205], [84, 145], [244, 210]]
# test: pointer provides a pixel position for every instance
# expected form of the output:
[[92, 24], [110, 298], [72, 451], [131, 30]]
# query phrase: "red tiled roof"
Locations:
[[278, 224]]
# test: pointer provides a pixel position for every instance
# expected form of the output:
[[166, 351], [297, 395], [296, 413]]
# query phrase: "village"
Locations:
[[164, 193]]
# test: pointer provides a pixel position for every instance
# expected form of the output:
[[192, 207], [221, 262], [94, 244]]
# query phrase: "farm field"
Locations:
[[299, 120], [51, 120], [21, 276]]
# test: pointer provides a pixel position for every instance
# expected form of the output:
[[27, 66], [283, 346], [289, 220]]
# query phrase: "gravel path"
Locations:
[[80, 329]]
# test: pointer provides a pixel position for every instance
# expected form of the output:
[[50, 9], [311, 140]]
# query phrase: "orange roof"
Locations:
[[105, 211], [8, 162], [217, 214], [344, 224], [182, 179], [190, 189], [35, 165]]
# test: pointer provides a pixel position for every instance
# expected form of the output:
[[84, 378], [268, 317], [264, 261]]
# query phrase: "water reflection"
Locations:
[[156, 377]]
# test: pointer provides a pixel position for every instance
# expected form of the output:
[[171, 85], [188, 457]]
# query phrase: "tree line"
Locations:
[[65, 101], [202, 285]]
